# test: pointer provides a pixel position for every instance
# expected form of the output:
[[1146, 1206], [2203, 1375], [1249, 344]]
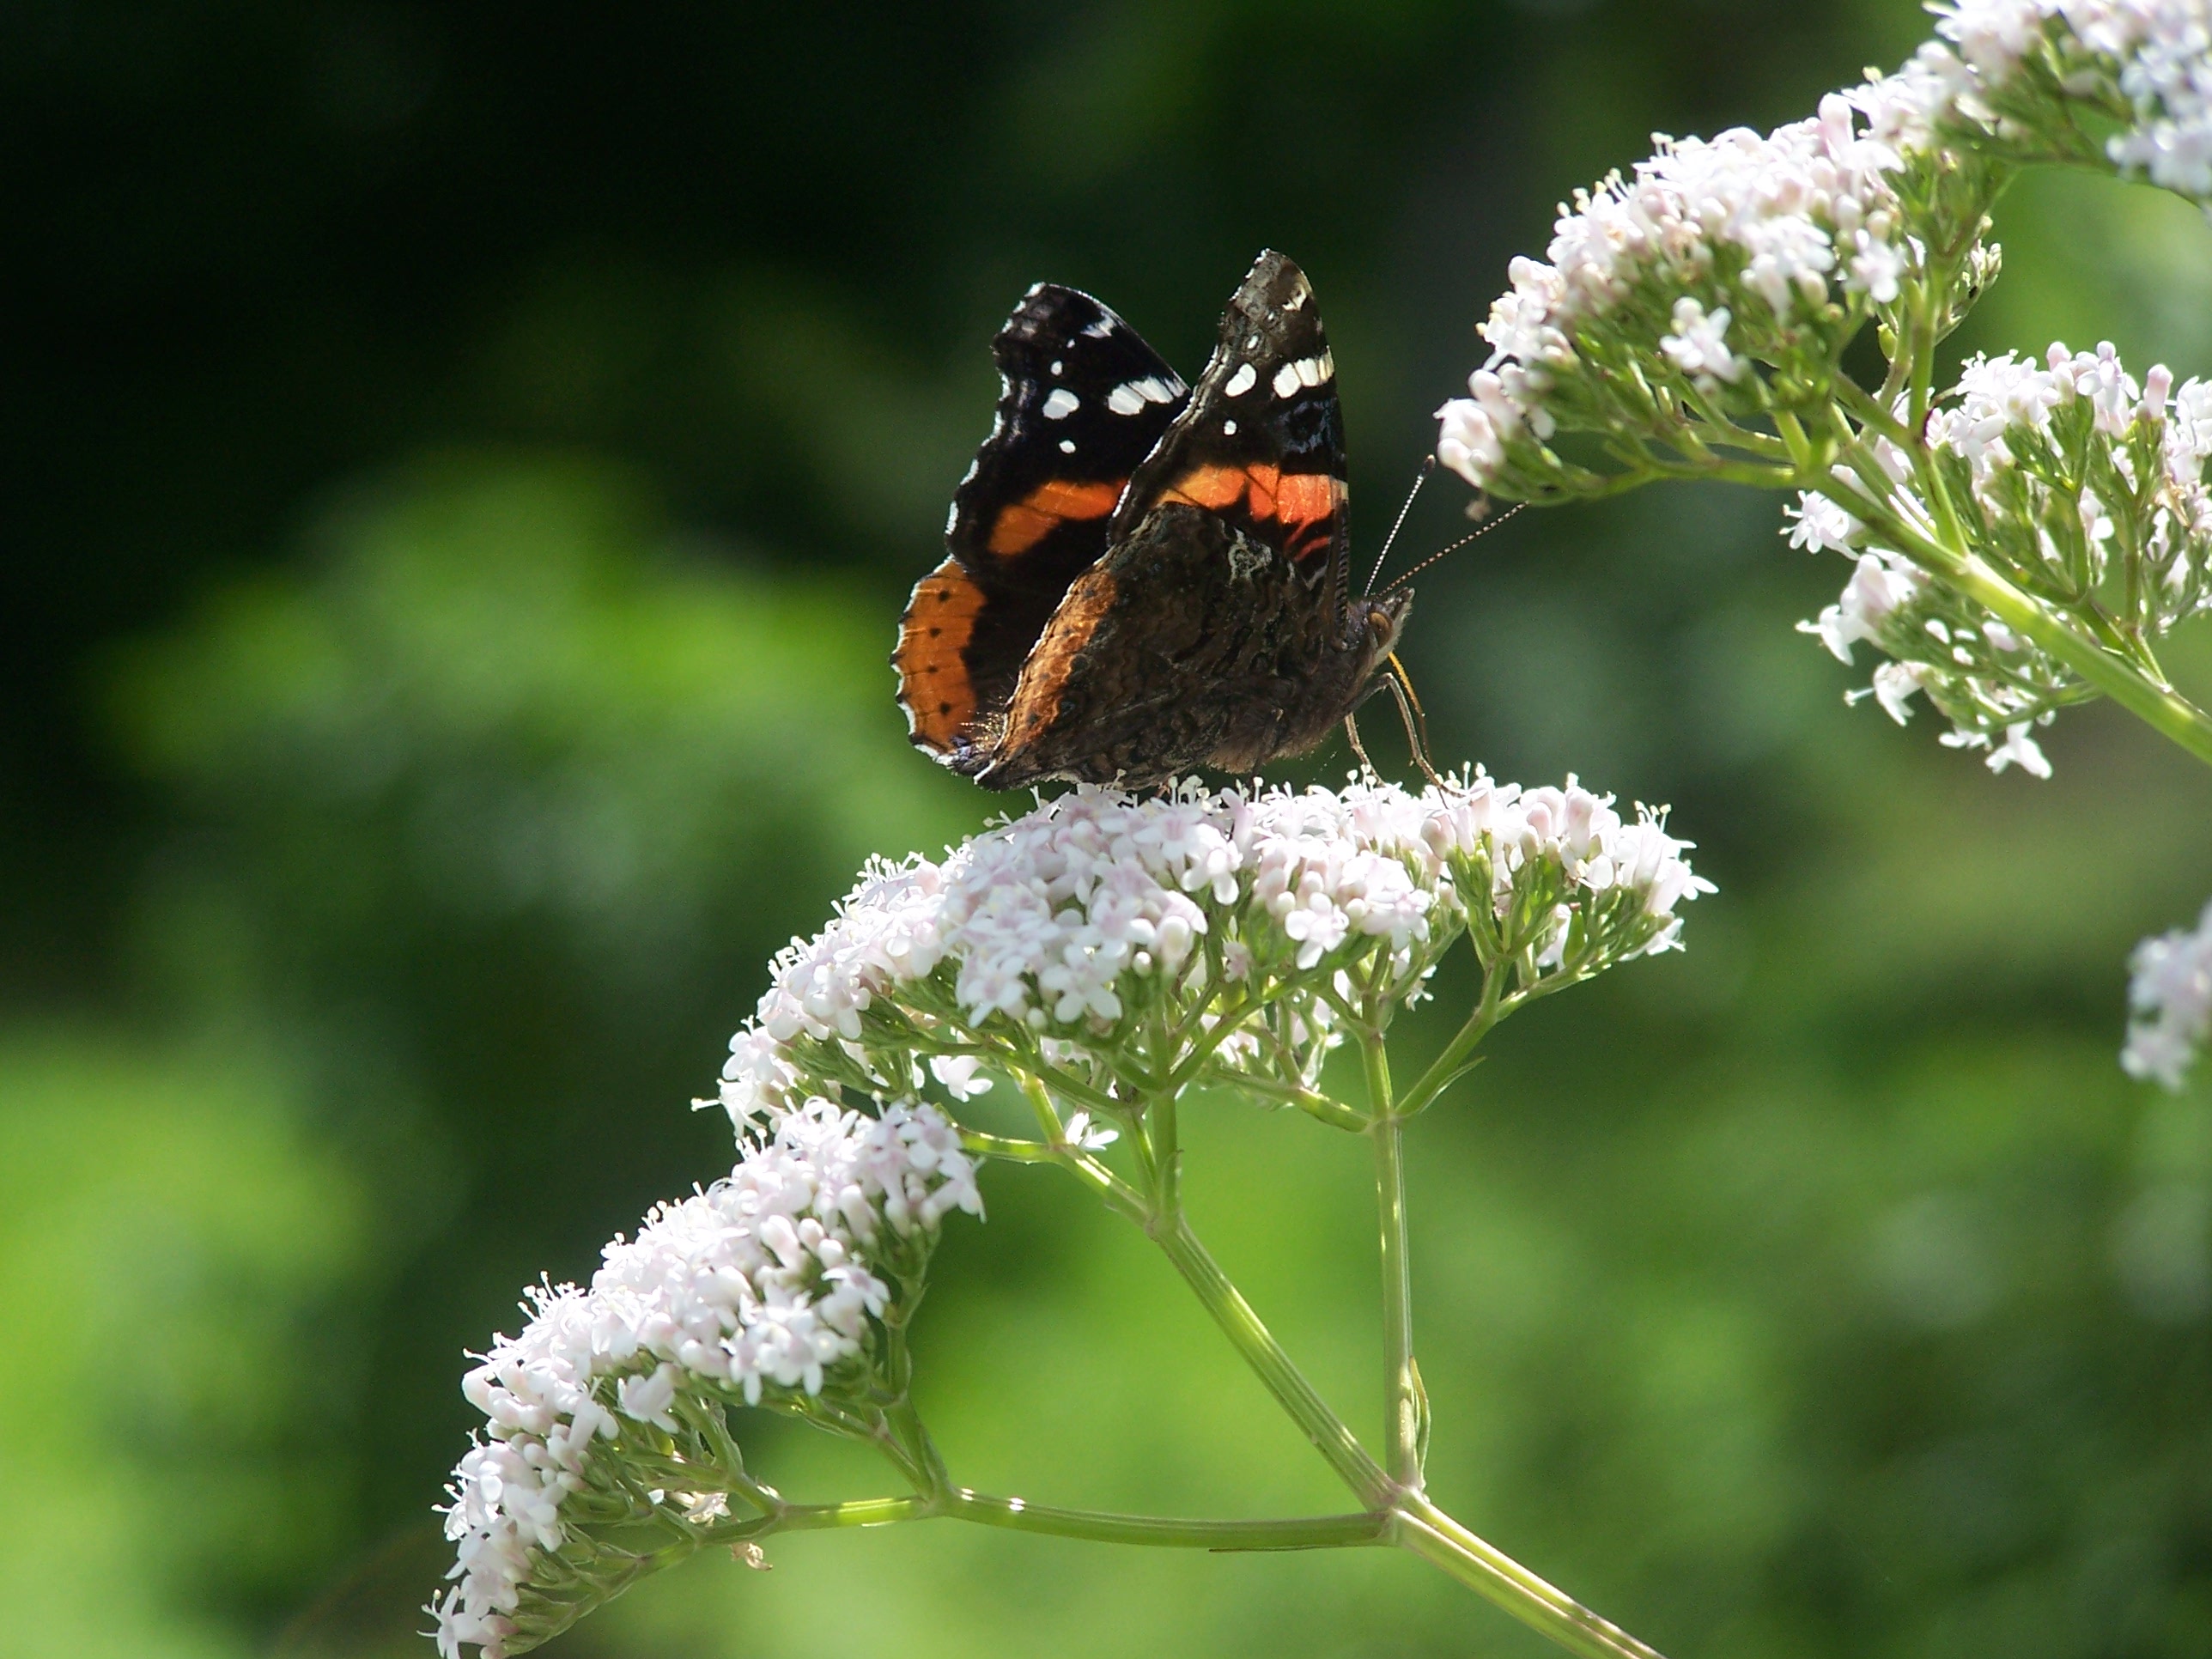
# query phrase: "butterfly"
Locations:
[[1146, 578]]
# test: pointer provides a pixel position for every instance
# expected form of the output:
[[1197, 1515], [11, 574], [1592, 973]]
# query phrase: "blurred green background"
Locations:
[[464, 464]]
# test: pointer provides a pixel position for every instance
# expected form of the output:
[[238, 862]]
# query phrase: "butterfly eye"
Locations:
[[1384, 622]]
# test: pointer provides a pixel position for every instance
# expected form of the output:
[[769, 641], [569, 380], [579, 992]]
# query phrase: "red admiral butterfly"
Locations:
[[1146, 579]]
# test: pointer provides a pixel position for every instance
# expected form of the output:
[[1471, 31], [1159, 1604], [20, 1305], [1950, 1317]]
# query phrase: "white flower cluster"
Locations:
[[2156, 53], [2075, 470], [1045, 935], [2170, 994], [761, 1282], [1744, 231], [1666, 288]]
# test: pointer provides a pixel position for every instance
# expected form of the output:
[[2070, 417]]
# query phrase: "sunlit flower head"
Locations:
[[763, 1286], [2065, 464], [1236, 926], [1710, 254]]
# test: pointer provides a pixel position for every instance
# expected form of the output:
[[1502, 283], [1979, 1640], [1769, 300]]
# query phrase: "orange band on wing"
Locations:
[[1263, 481], [1303, 497], [1299, 500], [934, 686], [1210, 487], [1025, 523]]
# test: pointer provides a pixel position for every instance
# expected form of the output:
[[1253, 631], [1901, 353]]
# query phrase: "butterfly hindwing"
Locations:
[[1083, 400]]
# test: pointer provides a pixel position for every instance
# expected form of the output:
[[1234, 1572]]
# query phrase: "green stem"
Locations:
[[1274, 1367], [1401, 1394], [1100, 1526], [1167, 1152], [1326, 1107], [1119, 1195], [1003, 1146], [1401, 1390], [1446, 1066], [1435, 1537], [1303, 1533]]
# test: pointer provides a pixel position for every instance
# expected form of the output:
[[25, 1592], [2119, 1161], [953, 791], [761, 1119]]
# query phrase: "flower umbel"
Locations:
[[2022, 74], [1664, 292], [2021, 543], [2076, 484], [1223, 936], [605, 1412]]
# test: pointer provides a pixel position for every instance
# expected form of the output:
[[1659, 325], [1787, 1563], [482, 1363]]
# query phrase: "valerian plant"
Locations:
[[1104, 955], [2023, 538]]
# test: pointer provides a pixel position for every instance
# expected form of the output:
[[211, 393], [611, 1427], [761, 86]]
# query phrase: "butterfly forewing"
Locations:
[[1262, 441], [1082, 400]]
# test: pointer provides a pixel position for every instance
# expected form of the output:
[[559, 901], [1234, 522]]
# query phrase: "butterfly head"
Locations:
[[1383, 620]]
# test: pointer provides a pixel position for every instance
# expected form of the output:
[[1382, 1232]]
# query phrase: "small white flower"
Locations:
[[1878, 587], [1082, 1133], [1471, 441], [1819, 525], [957, 1073], [2019, 749], [1894, 683], [1698, 345], [648, 1398], [2170, 994]]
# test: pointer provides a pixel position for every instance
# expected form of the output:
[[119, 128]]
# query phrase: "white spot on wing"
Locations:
[[951, 517], [1057, 366], [1098, 330], [1242, 382], [1067, 446], [1307, 371], [1229, 429], [1061, 404], [1132, 396]]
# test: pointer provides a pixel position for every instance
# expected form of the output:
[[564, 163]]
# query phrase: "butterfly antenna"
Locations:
[[1428, 466], [1415, 717], [1453, 548]]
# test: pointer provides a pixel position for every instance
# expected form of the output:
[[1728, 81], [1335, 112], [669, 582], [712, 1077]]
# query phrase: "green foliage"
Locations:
[[179, 1270]]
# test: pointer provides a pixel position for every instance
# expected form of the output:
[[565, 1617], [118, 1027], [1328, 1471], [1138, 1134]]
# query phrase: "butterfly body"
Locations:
[[1145, 579]]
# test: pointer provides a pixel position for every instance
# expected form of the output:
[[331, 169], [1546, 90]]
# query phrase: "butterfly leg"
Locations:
[[1415, 717], [1352, 730]]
